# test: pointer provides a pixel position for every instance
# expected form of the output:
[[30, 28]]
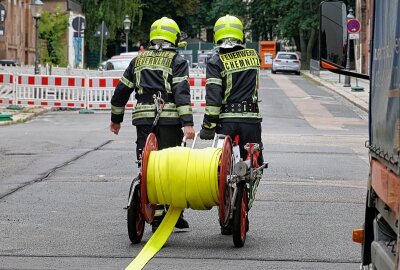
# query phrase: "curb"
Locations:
[[21, 117], [334, 89]]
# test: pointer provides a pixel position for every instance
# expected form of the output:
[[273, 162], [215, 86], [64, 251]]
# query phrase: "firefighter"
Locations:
[[231, 88], [157, 70]]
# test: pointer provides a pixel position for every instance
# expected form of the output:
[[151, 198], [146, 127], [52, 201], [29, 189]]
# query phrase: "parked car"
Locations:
[[286, 62], [8, 62], [120, 62]]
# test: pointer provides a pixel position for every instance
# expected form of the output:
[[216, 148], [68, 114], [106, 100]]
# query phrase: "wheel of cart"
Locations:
[[135, 217], [139, 210], [238, 181]]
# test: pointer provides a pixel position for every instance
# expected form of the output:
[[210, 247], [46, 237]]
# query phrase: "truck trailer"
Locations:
[[380, 234]]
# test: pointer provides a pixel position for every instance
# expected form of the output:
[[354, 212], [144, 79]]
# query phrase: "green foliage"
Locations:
[[112, 12], [293, 20], [52, 29]]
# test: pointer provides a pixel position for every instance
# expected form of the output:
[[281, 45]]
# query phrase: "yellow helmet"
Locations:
[[228, 27], [165, 29]]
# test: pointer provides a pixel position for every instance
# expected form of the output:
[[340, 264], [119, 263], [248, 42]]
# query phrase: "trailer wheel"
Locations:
[[240, 226], [135, 217]]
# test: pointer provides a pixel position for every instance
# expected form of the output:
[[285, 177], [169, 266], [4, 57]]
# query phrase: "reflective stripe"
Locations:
[[126, 82], [209, 125], [228, 87], [255, 88], [214, 81], [168, 70], [219, 27], [225, 72], [167, 85], [183, 110], [152, 107], [138, 86], [117, 110], [180, 79], [233, 25], [213, 110], [152, 114], [240, 115], [170, 29], [153, 28], [237, 26]]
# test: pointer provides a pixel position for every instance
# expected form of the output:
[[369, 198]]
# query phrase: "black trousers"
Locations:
[[167, 136], [248, 133]]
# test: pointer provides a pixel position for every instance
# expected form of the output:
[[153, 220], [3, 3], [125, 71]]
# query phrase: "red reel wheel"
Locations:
[[147, 208], [240, 225], [224, 192]]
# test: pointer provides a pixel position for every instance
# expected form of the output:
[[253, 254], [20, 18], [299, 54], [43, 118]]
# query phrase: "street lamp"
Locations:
[[127, 26], [82, 35], [36, 9], [347, 79]]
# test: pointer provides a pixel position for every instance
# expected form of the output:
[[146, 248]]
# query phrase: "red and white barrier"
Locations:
[[74, 92], [197, 90], [6, 89], [101, 92], [52, 91]]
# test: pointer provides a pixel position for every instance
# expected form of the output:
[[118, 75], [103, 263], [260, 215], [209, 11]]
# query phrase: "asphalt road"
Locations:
[[64, 180]]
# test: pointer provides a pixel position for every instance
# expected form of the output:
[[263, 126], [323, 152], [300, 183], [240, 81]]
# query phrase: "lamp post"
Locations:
[[347, 79], [127, 26], [36, 9], [82, 35]]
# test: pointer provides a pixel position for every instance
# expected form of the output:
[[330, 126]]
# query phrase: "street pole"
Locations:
[[83, 44], [347, 79], [37, 70], [126, 42], [101, 42]]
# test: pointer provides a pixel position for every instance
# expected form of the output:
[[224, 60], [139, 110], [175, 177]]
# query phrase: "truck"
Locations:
[[380, 234]]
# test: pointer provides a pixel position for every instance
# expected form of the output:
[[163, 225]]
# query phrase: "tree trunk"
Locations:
[[310, 46], [303, 48]]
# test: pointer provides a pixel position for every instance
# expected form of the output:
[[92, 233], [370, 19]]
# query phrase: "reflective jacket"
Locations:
[[147, 74], [231, 87]]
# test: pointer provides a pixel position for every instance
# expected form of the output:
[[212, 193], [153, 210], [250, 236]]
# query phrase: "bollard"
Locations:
[[357, 88]]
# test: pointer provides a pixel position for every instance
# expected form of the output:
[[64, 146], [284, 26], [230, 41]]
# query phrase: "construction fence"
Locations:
[[80, 92]]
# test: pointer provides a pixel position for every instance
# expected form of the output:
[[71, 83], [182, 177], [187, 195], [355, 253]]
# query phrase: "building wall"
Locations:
[[18, 41]]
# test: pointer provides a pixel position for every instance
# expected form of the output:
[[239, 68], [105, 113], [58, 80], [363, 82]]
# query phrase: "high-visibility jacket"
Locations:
[[151, 72], [232, 77]]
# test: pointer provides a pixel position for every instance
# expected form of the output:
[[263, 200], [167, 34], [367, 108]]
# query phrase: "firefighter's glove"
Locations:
[[207, 133]]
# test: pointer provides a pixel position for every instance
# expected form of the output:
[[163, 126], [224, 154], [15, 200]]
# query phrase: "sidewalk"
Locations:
[[335, 83], [20, 116]]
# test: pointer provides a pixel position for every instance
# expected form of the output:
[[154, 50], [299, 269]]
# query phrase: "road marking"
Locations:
[[313, 110]]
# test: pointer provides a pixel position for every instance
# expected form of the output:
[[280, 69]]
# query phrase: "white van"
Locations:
[[120, 62]]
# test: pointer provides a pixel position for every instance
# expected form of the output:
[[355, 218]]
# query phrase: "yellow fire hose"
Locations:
[[181, 178]]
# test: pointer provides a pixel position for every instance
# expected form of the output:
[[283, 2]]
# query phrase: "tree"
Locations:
[[263, 19], [294, 20], [112, 12], [52, 30]]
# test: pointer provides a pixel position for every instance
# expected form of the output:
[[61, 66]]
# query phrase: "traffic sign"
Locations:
[[354, 36], [102, 28], [78, 24], [353, 26]]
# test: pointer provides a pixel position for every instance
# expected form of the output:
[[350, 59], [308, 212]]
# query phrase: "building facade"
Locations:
[[76, 27], [17, 32]]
